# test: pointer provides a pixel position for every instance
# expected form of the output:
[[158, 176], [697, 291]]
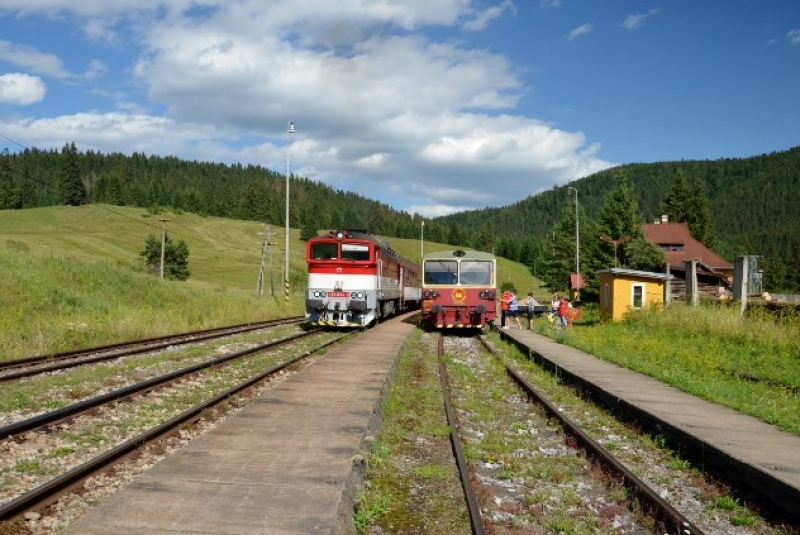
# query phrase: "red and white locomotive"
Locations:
[[355, 279], [459, 289]]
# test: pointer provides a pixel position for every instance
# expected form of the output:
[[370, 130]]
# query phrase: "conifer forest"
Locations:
[[733, 206]]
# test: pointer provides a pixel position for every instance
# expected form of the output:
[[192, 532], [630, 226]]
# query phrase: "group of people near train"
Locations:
[[510, 310]]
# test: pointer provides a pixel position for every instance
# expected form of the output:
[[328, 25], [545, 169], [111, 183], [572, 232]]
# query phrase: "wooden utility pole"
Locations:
[[163, 242], [266, 243], [615, 243]]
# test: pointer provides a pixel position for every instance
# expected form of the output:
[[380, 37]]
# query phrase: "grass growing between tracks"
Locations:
[[52, 304], [629, 445], [54, 391], [750, 364], [412, 485]]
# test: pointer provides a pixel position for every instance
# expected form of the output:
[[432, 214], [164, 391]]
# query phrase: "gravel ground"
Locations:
[[46, 454], [523, 493]]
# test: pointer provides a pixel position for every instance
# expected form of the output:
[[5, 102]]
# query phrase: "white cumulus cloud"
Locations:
[[23, 89]]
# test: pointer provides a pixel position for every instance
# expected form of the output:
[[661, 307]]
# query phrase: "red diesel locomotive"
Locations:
[[355, 279], [459, 289]]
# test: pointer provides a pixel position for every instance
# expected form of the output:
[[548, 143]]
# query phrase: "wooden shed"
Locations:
[[625, 289]]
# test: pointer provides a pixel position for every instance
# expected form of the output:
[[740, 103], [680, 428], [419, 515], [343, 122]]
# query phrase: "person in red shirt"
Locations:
[[505, 299]]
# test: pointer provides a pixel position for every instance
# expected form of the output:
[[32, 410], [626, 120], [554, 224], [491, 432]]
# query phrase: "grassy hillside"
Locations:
[[73, 277], [221, 251]]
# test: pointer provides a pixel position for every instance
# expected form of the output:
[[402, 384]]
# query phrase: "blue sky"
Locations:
[[431, 106]]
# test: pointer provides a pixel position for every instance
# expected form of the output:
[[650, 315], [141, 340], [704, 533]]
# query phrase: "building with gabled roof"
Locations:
[[678, 244], [714, 272]]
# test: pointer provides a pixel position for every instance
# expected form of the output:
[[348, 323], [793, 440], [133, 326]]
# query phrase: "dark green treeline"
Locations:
[[753, 204]]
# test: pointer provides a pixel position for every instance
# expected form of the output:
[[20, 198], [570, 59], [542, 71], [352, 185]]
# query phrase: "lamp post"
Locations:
[[289, 131], [577, 247]]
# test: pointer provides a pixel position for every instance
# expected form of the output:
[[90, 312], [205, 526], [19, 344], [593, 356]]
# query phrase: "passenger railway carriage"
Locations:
[[459, 289], [355, 279]]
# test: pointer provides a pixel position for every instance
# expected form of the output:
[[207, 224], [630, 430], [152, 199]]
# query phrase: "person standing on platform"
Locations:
[[552, 317], [563, 310], [504, 301], [531, 306], [513, 308]]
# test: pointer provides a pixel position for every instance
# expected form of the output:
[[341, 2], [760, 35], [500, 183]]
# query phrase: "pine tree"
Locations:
[[618, 221], [485, 240], [309, 229], [9, 197], [793, 269], [559, 255], [72, 188], [775, 273], [698, 216], [676, 203], [176, 261], [643, 255]]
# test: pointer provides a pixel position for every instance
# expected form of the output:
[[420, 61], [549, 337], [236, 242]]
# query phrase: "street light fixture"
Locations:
[[577, 247], [289, 131]]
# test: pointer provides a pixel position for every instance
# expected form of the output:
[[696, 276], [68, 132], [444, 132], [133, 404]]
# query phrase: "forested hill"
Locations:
[[754, 202], [34, 178]]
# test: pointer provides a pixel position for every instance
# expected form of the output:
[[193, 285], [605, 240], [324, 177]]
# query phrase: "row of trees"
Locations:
[[734, 206]]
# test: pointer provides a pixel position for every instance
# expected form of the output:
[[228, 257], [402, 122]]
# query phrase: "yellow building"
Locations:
[[622, 290]]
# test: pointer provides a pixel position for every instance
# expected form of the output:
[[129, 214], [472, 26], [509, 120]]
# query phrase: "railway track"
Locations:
[[519, 457], [27, 367], [49, 428], [666, 517]]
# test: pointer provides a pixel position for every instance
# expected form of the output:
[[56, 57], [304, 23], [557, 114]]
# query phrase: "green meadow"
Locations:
[[750, 363], [73, 276]]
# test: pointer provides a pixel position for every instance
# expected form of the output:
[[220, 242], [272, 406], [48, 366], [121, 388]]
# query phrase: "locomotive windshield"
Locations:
[[324, 251], [357, 252], [441, 271], [476, 272]]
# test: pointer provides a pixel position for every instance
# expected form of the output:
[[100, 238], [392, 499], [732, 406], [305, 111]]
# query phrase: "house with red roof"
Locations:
[[714, 273]]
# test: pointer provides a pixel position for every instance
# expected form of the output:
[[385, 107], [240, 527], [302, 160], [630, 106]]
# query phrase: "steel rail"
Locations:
[[137, 346], [57, 415], [50, 491], [660, 509], [476, 521]]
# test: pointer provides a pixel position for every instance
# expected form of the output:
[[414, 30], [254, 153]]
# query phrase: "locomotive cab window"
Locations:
[[324, 251], [476, 273], [356, 252], [441, 272]]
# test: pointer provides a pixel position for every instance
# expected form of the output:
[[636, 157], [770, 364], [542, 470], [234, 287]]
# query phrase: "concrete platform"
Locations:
[[748, 450], [283, 465]]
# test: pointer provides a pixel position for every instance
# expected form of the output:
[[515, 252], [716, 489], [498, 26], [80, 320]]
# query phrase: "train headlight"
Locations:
[[357, 295], [318, 293], [430, 294]]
